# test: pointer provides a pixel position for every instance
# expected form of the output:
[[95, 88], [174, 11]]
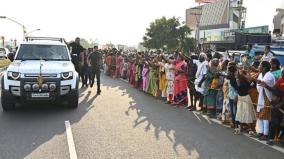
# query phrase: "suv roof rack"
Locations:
[[45, 38]]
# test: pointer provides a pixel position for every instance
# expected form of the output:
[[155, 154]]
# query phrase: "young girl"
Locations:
[[245, 110], [170, 74]]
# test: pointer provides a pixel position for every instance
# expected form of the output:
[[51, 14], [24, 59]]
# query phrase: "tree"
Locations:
[[168, 34], [110, 45], [85, 43]]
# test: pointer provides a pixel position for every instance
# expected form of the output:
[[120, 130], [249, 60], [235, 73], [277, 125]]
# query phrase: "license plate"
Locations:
[[40, 95]]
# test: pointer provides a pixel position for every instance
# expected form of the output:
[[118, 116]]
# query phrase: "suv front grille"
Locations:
[[43, 75]]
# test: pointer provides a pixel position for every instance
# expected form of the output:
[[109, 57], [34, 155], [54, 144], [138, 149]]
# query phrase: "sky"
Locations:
[[103, 21]]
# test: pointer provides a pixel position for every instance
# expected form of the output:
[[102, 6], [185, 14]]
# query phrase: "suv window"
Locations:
[[44, 52]]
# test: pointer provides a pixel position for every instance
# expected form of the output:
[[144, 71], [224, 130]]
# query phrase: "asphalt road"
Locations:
[[121, 123]]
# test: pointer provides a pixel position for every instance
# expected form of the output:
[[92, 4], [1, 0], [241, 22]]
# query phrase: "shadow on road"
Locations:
[[163, 119], [199, 137], [30, 127]]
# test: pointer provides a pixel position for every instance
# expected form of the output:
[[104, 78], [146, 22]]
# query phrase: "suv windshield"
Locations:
[[44, 52]]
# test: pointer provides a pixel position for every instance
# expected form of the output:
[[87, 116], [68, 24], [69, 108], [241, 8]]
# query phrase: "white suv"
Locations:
[[41, 71]]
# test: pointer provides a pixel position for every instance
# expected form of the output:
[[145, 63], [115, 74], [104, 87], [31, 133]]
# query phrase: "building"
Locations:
[[221, 25], [219, 17], [211, 21], [193, 16], [277, 22]]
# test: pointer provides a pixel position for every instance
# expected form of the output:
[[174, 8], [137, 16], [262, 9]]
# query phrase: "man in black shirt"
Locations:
[[84, 68], [192, 69], [94, 61], [76, 50]]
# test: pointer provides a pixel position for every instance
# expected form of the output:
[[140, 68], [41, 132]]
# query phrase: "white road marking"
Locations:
[[247, 135], [217, 121], [71, 145], [264, 143], [197, 116], [207, 118], [123, 80]]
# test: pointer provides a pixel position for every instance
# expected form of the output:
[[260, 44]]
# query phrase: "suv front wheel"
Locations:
[[73, 99], [7, 101]]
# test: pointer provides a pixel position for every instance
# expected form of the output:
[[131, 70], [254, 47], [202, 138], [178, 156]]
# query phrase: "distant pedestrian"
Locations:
[[251, 54], [84, 68], [268, 55], [119, 65]]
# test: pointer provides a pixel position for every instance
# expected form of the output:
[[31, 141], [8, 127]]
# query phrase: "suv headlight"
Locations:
[[14, 75], [66, 75]]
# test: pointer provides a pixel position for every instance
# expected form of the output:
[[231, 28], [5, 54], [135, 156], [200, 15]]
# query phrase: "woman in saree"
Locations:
[[180, 81], [145, 76], [162, 79], [113, 66], [275, 68], [119, 65], [220, 93], [133, 72], [129, 70], [138, 73], [108, 63], [210, 88], [152, 87], [252, 75]]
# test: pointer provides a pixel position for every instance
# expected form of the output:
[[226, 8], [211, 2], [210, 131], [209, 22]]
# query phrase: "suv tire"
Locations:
[[7, 101], [73, 99]]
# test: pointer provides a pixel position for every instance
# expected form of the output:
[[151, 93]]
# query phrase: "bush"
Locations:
[[4, 63]]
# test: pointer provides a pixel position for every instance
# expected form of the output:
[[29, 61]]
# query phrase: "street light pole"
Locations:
[[32, 32], [197, 15], [23, 26]]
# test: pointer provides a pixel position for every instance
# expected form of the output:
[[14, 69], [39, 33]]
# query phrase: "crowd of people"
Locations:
[[248, 93]]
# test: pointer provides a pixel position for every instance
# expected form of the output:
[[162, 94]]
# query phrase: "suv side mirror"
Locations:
[[11, 56]]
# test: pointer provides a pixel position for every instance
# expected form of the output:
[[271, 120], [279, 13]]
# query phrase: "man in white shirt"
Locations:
[[264, 79], [202, 64], [267, 56]]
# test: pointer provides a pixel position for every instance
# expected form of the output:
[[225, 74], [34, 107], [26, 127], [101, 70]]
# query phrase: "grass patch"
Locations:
[[4, 63]]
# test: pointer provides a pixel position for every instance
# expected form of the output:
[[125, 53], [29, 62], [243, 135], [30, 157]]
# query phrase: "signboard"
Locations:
[[205, 1], [229, 36], [260, 29]]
